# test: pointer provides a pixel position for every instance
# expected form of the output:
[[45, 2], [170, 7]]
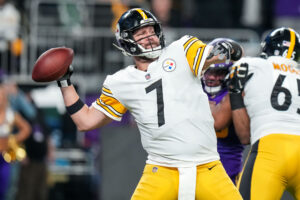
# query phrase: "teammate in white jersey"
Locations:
[[270, 114], [163, 92]]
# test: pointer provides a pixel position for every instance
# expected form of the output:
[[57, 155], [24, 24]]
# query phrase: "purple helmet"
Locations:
[[214, 79]]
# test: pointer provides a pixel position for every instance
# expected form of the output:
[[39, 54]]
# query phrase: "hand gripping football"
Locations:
[[52, 64]]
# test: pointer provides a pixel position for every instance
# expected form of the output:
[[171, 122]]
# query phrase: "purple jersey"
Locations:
[[229, 145], [230, 150], [219, 97]]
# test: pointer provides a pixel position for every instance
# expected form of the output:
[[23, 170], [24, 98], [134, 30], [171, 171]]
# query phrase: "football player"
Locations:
[[229, 146], [268, 115], [163, 92]]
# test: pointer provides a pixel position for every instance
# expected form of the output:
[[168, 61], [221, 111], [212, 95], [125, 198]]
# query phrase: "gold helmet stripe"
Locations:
[[292, 44], [142, 13]]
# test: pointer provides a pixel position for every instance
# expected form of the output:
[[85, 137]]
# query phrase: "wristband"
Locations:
[[64, 83], [236, 101], [74, 108]]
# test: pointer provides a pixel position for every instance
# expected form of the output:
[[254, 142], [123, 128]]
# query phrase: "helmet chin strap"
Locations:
[[212, 90], [150, 53]]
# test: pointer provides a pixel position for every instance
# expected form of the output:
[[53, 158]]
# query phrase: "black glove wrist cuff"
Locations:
[[236, 101], [64, 83], [74, 108]]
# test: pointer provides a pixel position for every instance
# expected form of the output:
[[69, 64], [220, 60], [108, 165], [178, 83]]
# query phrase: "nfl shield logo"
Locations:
[[169, 65], [147, 76]]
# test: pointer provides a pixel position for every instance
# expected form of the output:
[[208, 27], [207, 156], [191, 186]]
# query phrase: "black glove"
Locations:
[[237, 79], [65, 80]]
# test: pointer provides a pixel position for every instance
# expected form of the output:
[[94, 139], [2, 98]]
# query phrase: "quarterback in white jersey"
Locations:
[[163, 92], [167, 103], [272, 106]]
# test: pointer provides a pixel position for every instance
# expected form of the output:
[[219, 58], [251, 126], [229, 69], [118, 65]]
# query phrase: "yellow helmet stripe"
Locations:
[[142, 13], [292, 44]]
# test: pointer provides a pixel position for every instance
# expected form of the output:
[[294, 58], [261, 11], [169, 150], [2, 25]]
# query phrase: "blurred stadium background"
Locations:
[[106, 163]]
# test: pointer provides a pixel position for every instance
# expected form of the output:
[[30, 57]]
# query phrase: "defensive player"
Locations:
[[164, 93], [270, 114], [229, 146]]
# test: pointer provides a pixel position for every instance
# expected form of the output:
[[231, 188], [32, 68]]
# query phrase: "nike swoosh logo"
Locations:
[[210, 168]]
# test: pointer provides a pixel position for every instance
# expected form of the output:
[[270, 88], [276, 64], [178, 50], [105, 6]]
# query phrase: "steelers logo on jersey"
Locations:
[[169, 65]]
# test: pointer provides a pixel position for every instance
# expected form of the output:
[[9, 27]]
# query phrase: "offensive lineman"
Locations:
[[270, 114], [163, 92]]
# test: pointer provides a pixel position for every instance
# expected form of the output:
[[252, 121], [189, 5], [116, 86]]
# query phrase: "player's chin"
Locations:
[[146, 59]]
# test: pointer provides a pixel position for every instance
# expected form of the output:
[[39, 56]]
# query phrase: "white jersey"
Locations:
[[272, 96], [168, 103]]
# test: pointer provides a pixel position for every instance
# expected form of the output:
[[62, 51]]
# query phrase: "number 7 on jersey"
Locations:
[[157, 85]]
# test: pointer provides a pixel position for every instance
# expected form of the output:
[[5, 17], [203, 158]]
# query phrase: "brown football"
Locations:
[[52, 64]]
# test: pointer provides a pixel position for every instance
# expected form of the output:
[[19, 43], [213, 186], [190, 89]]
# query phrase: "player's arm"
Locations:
[[86, 118], [221, 113], [237, 80], [223, 50], [241, 123]]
